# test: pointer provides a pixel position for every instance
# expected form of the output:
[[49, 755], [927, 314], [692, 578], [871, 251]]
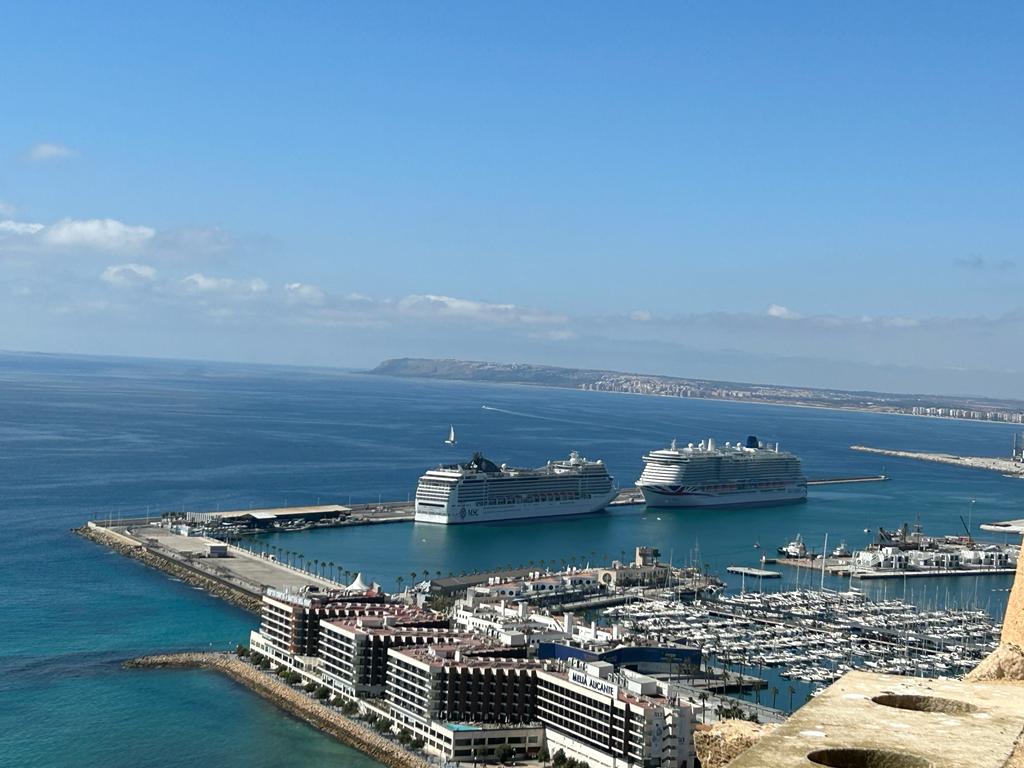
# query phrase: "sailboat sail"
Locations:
[[451, 435]]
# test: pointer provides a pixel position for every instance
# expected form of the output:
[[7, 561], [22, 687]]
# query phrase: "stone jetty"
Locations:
[[137, 551], [291, 700], [989, 463]]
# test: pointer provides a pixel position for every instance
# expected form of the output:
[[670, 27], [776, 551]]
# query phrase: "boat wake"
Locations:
[[519, 413]]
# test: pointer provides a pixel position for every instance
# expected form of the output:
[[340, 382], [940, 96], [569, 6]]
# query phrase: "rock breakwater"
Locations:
[[292, 701], [189, 575]]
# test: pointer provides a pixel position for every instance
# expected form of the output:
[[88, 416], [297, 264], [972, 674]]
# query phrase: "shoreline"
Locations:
[[744, 400], [323, 717], [193, 577]]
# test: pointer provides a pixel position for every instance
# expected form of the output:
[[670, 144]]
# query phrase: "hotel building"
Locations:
[[465, 700], [611, 719]]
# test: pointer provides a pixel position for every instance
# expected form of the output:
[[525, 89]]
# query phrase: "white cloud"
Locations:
[[303, 293], [446, 306], [640, 316], [784, 313], [200, 283], [48, 151], [128, 274], [558, 334], [19, 227], [6, 209], [101, 234]]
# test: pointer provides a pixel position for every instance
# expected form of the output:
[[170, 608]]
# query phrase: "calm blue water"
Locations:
[[86, 438]]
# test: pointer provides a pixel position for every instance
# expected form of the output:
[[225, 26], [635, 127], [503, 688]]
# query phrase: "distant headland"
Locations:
[[938, 406]]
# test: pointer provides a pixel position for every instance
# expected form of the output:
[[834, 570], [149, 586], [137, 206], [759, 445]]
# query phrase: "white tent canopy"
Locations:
[[358, 585]]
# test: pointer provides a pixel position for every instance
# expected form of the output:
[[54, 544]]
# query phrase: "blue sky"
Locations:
[[797, 192]]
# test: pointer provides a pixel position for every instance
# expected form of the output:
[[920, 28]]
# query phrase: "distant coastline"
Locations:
[[594, 380]]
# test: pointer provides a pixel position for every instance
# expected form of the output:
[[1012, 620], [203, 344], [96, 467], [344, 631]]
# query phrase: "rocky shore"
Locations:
[[191, 576], [294, 702]]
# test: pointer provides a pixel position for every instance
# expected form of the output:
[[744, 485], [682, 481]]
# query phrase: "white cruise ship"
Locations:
[[704, 475], [480, 491]]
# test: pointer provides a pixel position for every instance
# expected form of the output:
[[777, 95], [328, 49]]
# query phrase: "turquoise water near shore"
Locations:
[[92, 438]]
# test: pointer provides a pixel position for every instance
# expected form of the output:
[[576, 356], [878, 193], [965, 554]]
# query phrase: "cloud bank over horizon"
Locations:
[[70, 277]]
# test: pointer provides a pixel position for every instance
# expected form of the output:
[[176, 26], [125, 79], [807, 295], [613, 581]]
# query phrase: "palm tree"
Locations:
[[330, 565], [775, 692], [315, 563], [301, 560], [426, 574], [704, 696], [792, 690], [399, 580], [413, 575]]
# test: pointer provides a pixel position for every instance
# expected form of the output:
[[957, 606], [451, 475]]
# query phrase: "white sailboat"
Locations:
[[451, 436]]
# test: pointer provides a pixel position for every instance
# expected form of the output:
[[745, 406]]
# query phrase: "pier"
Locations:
[[1009, 467], [757, 573], [855, 479], [229, 572]]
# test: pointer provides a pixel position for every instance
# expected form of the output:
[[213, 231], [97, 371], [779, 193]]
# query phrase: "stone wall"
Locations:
[[719, 743], [294, 702], [1013, 624]]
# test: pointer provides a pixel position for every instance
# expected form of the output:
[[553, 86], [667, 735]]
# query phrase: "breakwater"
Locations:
[[294, 702], [989, 463], [189, 575]]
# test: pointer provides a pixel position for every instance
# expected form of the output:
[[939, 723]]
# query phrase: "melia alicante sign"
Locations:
[[593, 683]]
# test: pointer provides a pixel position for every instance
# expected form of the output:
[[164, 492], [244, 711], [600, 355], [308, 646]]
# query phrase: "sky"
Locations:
[[803, 193]]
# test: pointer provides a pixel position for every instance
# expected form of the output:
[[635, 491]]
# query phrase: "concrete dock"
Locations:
[[757, 573], [226, 571]]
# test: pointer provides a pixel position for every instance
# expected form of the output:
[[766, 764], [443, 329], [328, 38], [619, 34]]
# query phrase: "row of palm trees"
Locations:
[[328, 569]]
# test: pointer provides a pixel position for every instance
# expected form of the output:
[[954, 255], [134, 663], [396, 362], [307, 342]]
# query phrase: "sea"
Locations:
[[102, 438]]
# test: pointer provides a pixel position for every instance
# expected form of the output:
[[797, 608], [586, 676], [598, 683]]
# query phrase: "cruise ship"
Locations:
[[705, 475], [480, 491]]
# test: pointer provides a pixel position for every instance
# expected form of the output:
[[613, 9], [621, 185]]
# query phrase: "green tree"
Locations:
[[503, 753]]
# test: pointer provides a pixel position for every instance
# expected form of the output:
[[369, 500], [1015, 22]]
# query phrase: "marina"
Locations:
[[816, 636]]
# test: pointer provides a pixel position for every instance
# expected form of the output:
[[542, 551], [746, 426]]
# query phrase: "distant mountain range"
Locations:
[[940, 406]]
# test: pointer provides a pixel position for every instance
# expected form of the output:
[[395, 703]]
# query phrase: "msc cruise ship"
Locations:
[[480, 491], [704, 475]]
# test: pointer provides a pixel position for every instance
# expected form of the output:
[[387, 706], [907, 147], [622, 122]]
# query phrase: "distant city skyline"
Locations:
[[794, 194]]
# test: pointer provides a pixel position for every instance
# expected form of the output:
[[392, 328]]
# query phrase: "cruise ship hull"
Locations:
[[688, 497], [489, 513]]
